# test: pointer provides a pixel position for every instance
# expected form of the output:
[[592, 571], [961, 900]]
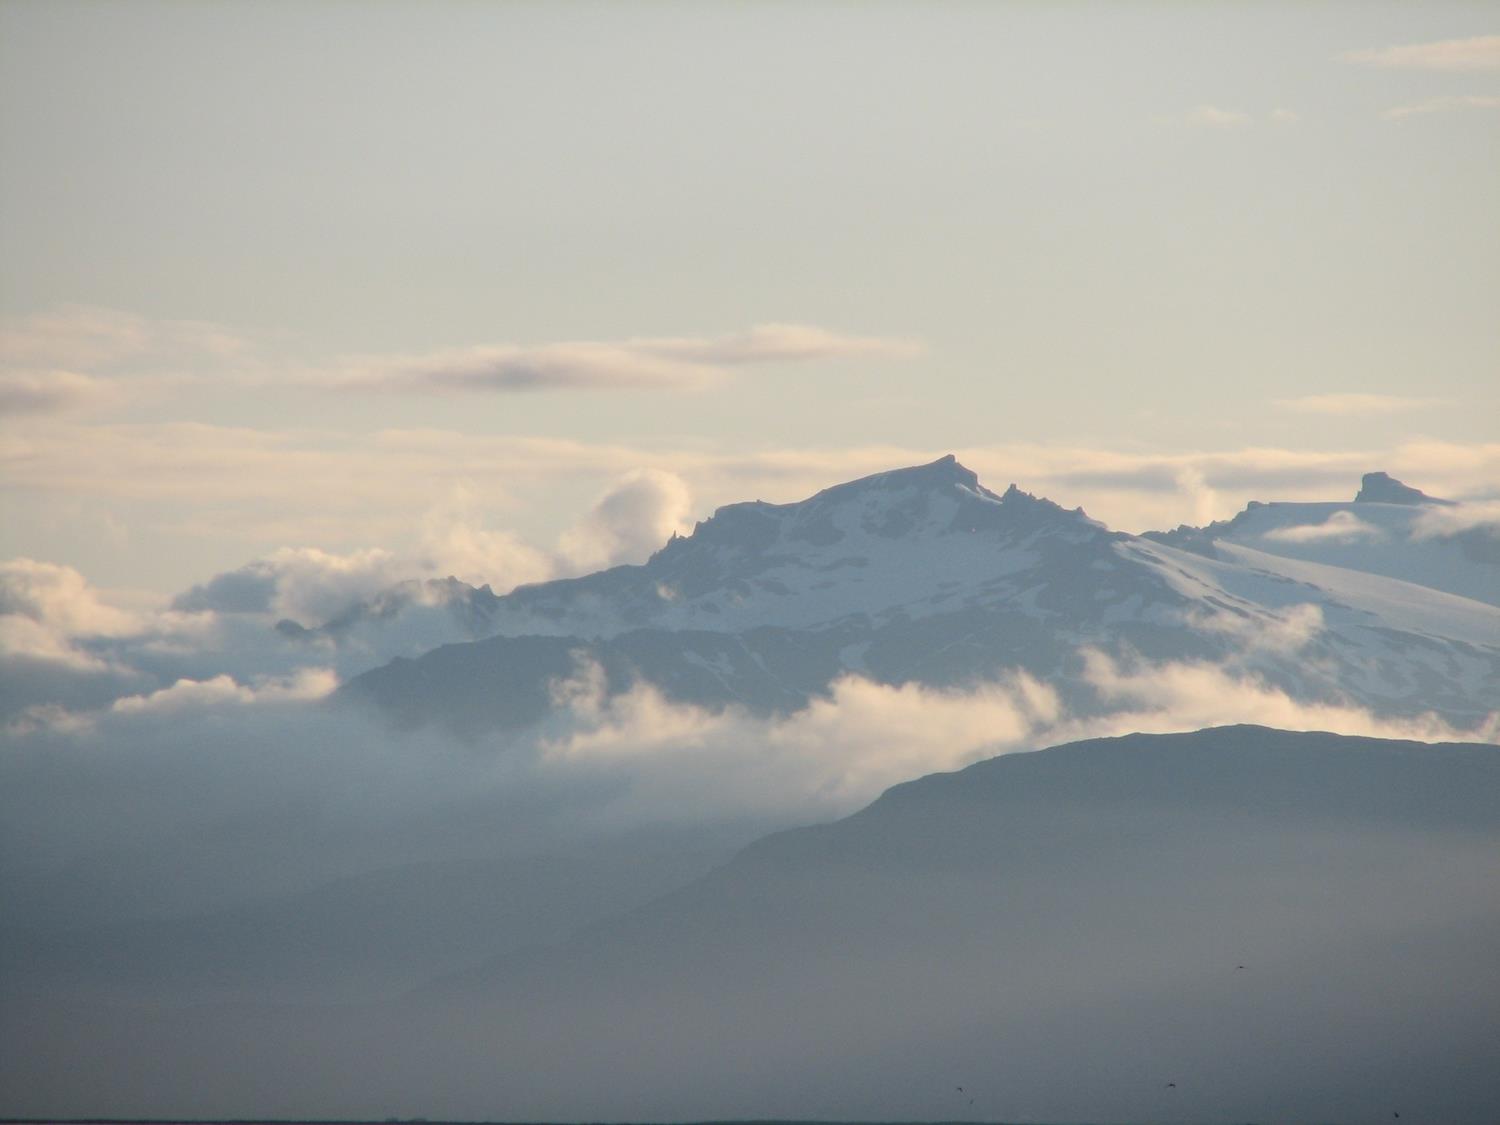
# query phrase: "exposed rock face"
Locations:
[[1382, 488]]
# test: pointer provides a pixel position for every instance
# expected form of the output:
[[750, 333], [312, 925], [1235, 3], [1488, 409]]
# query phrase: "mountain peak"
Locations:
[[939, 474], [1382, 488]]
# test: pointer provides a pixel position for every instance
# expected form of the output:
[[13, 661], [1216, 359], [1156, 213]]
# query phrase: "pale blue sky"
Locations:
[[1123, 240]]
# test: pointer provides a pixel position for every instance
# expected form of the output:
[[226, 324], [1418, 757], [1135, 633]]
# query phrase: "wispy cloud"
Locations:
[[309, 683], [1340, 527], [1214, 117], [84, 337], [1450, 103], [79, 356], [648, 363], [1480, 52], [1442, 523], [1355, 404], [42, 392], [75, 355]]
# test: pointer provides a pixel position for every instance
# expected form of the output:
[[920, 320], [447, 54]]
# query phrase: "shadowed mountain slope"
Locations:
[[1282, 926]]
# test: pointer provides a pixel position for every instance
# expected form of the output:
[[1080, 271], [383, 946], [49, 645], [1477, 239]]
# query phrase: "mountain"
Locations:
[[1236, 924], [362, 937], [923, 575], [1390, 529], [1382, 488]]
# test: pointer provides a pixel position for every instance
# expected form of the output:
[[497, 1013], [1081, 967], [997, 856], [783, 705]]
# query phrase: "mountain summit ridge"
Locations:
[[938, 498]]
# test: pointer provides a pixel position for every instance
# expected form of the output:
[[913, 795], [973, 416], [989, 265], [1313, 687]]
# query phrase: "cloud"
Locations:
[[1213, 117], [1354, 404], [1448, 521], [1285, 632], [547, 367], [277, 793], [1160, 697], [1447, 104], [247, 489], [1285, 117], [48, 360], [682, 363], [76, 356], [37, 392], [1342, 527], [455, 541], [1190, 480], [774, 343], [309, 683], [1480, 52], [90, 338], [840, 751], [306, 584], [634, 518], [45, 609]]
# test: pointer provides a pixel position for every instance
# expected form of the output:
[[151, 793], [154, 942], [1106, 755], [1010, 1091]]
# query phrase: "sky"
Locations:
[[516, 290]]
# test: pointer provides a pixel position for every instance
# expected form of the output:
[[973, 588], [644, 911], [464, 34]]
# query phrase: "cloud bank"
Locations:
[[284, 793], [240, 486]]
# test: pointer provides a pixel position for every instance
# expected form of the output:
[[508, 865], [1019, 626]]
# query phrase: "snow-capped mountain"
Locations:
[[924, 575], [1389, 529], [907, 543]]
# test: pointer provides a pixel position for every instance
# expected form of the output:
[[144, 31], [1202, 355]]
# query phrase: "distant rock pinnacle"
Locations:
[[1382, 488]]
